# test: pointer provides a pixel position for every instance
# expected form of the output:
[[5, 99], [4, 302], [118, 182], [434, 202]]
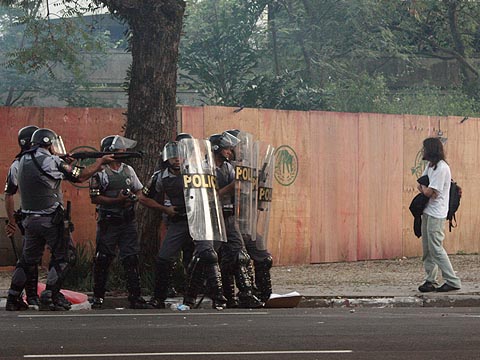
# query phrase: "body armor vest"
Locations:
[[223, 179], [173, 187], [38, 195], [117, 181]]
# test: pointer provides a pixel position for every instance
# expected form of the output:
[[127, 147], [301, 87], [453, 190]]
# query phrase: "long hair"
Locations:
[[433, 151]]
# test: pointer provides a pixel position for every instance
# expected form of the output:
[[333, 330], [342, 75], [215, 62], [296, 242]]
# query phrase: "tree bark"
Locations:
[[155, 27]]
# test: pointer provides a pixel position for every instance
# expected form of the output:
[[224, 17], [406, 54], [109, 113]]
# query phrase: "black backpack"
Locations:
[[453, 204]]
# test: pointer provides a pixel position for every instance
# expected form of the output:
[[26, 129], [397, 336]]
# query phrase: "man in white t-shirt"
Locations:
[[433, 219]]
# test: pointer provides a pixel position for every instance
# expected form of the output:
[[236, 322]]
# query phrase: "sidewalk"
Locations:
[[376, 283]]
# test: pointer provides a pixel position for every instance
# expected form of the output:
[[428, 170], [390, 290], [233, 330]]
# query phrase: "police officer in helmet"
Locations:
[[40, 173], [115, 190], [234, 257], [11, 188], [204, 263]]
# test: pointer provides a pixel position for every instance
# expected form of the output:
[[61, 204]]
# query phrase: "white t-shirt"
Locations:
[[440, 179]]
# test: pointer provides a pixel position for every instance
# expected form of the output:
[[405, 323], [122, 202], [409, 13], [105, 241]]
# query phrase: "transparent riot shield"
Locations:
[[204, 211], [265, 175], [244, 168]]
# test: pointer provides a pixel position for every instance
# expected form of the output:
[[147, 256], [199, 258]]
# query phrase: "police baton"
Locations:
[[12, 240]]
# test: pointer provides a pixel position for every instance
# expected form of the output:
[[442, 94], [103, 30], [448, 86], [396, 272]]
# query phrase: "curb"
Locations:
[[394, 301], [121, 303]]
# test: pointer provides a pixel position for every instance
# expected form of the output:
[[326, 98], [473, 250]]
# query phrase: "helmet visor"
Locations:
[[228, 140], [170, 150], [120, 142], [58, 147]]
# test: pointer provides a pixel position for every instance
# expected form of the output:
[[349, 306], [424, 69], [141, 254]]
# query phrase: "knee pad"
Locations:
[[102, 261], [130, 261], [208, 256], [57, 272], [267, 263], [242, 258]]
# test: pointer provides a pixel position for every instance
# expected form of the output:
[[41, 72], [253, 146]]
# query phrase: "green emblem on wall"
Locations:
[[419, 165], [286, 165]]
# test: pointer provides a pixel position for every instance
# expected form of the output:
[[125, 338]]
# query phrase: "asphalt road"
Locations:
[[336, 334]]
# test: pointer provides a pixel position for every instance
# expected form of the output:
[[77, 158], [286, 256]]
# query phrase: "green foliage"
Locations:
[[52, 56]]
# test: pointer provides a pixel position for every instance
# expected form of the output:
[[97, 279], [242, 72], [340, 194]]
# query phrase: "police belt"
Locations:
[[38, 215], [125, 215], [227, 210]]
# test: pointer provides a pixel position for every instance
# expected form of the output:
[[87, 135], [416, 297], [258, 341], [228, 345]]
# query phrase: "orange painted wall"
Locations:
[[350, 183]]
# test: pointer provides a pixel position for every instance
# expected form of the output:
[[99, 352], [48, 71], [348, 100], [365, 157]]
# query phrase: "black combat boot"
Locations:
[[31, 286], [263, 279], [101, 264], [246, 298], [130, 264], [228, 284], [214, 285], [163, 276], [195, 281], [15, 302]]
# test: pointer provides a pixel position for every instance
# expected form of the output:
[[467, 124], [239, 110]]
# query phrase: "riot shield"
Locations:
[[265, 177], [204, 211], [244, 168]]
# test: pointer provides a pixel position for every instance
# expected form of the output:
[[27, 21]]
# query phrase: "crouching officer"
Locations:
[[186, 219], [115, 190], [40, 174]]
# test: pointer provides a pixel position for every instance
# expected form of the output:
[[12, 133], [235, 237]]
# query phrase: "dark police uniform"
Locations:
[[234, 257], [39, 179], [30, 271], [204, 262], [116, 227]]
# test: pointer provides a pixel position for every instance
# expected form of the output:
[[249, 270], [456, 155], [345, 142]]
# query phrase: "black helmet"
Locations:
[[116, 142], [223, 141], [183, 136], [106, 143], [25, 136], [233, 132], [215, 141], [46, 137], [170, 150]]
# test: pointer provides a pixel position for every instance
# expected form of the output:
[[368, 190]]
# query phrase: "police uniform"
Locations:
[[204, 261], [116, 227], [234, 257], [30, 271], [39, 178]]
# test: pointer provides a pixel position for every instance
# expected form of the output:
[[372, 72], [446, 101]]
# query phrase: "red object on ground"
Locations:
[[72, 296]]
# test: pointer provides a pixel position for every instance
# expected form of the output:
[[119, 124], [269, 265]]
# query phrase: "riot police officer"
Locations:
[[115, 190], [234, 257], [204, 262], [40, 173], [11, 188], [246, 155]]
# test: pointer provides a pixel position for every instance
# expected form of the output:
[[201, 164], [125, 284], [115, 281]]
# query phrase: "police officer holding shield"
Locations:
[[253, 164], [234, 257], [40, 173], [186, 222]]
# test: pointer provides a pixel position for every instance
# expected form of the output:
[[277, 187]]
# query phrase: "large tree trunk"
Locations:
[[155, 27]]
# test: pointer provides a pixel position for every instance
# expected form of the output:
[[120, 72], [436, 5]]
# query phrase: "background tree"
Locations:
[[154, 35]]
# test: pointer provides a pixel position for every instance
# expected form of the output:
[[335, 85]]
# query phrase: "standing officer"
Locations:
[[253, 185], [234, 257], [204, 263], [11, 188], [115, 190], [40, 174]]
